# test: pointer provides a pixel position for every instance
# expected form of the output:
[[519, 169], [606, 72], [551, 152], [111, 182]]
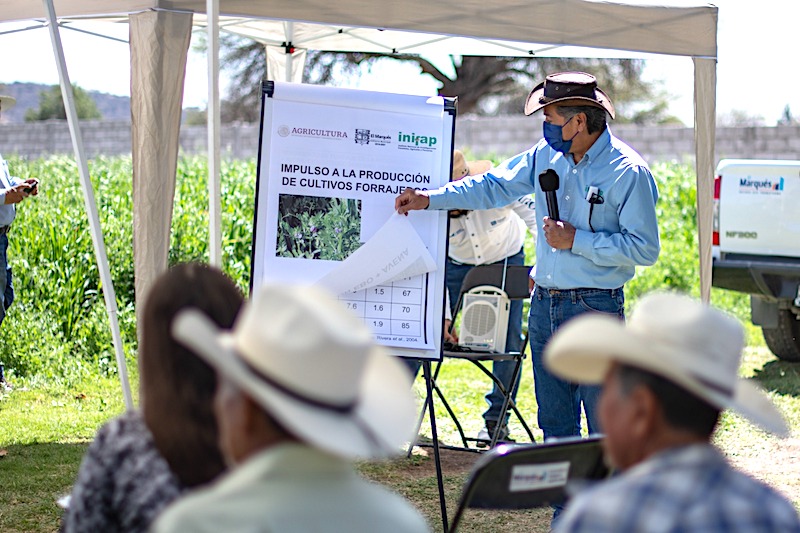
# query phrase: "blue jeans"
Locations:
[[560, 401], [503, 370], [6, 285]]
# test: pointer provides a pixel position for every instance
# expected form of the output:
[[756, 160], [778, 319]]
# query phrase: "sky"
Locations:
[[755, 40]]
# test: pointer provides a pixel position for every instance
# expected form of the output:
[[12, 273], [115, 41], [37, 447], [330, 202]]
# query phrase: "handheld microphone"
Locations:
[[548, 181]]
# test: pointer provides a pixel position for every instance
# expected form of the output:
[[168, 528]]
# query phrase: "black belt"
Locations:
[[4, 229]]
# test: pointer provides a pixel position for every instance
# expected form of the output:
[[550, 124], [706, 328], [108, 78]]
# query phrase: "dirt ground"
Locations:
[[415, 478], [776, 463], [772, 460], [453, 462]]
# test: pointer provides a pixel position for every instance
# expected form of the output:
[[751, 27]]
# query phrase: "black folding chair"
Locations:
[[513, 477], [513, 280]]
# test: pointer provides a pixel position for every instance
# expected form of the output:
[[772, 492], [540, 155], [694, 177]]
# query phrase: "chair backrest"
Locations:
[[513, 279], [530, 476]]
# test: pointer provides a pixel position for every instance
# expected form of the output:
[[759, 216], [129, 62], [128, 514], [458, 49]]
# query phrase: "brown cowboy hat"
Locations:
[[462, 168], [568, 88]]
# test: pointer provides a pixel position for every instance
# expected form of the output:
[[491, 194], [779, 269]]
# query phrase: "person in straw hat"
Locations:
[[606, 196], [485, 237], [666, 376], [12, 191], [303, 390]]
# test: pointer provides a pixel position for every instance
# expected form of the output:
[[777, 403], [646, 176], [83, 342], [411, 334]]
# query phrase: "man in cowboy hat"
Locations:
[[303, 389], [608, 225], [666, 376], [12, 192], [485, 237]]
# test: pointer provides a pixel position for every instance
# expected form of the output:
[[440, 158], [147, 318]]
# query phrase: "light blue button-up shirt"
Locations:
[[625, 227], [7, 211]]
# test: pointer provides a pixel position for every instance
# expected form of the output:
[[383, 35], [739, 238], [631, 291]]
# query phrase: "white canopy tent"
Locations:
[[159, 39]]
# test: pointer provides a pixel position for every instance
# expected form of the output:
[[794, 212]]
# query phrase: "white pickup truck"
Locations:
[[757, 245]]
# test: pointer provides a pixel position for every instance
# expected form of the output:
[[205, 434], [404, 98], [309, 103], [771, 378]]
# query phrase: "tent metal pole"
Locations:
[[289, 52], [91, 205], [214, 187]]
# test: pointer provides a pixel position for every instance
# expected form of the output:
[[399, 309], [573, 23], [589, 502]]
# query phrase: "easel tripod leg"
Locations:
[[426, 369]]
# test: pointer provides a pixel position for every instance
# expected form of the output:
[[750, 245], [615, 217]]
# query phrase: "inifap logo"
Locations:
[[749, 185], [412, 141]]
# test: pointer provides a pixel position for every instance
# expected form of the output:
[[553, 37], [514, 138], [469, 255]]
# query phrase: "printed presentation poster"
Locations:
[[331, 163]]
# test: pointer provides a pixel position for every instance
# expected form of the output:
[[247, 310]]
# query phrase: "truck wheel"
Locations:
[[784, 341]]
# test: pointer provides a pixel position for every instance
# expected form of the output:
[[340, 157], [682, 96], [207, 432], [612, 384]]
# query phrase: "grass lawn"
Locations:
[[45, 430]]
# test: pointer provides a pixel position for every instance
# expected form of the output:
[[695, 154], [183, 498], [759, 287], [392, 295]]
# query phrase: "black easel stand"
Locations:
[[426, 372]]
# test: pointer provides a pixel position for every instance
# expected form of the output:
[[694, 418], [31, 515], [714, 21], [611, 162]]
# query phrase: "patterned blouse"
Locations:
[[123, 482]]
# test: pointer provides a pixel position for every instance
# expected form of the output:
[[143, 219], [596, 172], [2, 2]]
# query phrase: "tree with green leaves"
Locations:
[[51, 105], [483, 85]]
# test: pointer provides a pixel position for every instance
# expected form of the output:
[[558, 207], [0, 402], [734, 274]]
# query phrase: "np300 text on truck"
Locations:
[[757, 245]]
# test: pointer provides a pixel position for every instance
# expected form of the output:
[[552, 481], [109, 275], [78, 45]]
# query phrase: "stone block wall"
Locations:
[[482, 136]]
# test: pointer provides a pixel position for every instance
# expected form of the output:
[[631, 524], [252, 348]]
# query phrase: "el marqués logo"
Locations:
[[365, 136], [749, 185]]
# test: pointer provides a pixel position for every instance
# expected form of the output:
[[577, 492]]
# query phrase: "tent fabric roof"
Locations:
[[680, 28], [331, 37]]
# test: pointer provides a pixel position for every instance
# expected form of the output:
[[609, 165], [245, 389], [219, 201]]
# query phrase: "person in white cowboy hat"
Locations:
[[485, 237], [606, 197], [12, 191], [303, 390], [666, 376]]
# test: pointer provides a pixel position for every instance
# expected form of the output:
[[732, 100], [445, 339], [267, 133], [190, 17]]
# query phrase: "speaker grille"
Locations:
[[480, 318]]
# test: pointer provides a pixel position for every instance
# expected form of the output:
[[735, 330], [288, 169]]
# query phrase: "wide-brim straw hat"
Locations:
[[568, 88], [314, 367], [462, 168], [7, 102], [676, 337]]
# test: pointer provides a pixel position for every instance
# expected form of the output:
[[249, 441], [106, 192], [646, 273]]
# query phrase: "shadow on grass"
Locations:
[[34, 477], [779, 376]]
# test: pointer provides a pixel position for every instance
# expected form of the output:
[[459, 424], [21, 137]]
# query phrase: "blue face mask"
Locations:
[[554, 136]]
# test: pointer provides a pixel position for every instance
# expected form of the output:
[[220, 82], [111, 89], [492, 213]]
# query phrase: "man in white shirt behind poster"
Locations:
[[485, 237]]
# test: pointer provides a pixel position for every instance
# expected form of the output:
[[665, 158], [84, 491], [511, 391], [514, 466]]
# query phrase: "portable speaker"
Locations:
[[484, 319]]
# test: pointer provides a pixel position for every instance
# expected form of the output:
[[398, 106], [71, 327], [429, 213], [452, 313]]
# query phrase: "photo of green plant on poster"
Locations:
[[314, 227]]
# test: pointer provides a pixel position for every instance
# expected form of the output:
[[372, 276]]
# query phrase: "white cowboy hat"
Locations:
[[691, 344], [314, 367], [7, 102]]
